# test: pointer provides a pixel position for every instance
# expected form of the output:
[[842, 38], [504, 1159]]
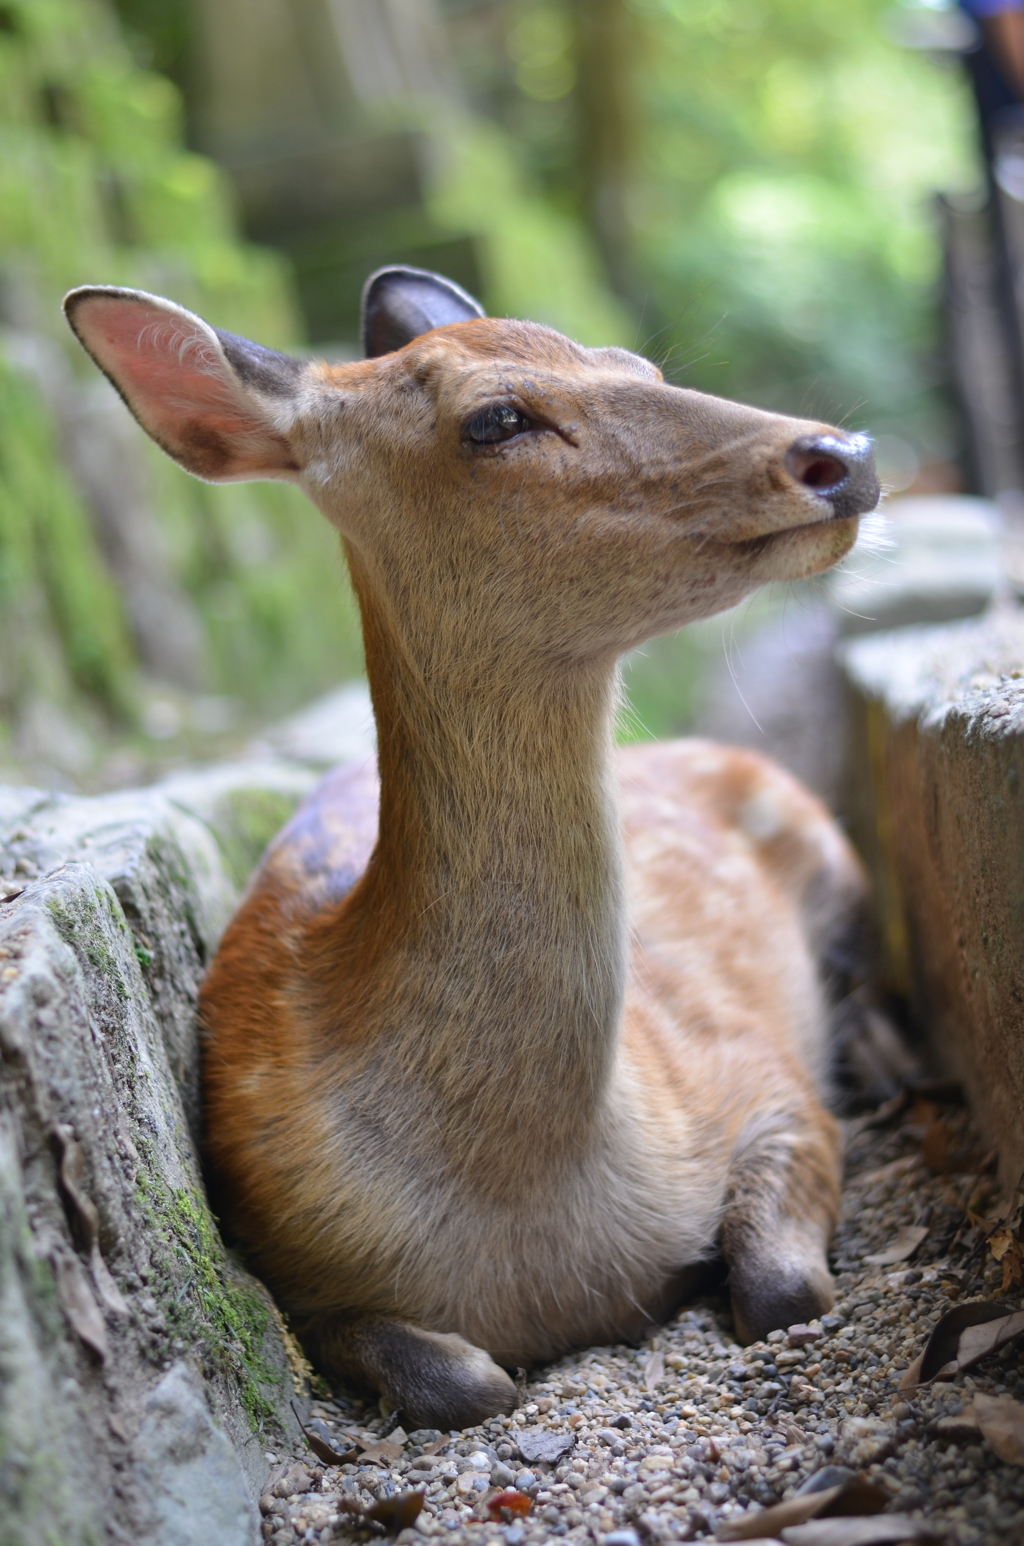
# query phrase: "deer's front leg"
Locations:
[[780, 1212], [436, 1380]]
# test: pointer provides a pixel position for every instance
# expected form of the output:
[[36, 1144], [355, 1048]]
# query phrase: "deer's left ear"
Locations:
[[219, 405], [400, 304]]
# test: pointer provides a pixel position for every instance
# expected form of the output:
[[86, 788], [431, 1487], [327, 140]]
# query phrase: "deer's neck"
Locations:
[[492, 912]]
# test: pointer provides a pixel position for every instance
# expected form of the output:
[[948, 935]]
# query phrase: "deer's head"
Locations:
[[493, 480]]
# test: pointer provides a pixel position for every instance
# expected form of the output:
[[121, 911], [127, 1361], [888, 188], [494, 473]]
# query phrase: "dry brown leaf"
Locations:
[[327, 1452], [654, 1370], [890, 1172], [960, 1428], [72, 1171], [768, 1522], [881, 1530], [76, 1296], [1000, 1243], [978, 1342], [397, 1513], [849, 1497], [391, 1515], [540, 1445], [939, 1359], [384, 1450], [904, 1244], [1001, 1420], [85, 1217]]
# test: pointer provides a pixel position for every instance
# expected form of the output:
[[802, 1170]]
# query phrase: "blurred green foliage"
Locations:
[[781, 212], [772, 175], [764, 206], [61, 624], [755, 175], [96, 186]]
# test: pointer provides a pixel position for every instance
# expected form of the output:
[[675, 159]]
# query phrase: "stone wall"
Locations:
[[936, 802], [144, 1375]]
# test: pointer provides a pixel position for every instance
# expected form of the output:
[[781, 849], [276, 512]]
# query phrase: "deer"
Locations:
[[514, 1033]]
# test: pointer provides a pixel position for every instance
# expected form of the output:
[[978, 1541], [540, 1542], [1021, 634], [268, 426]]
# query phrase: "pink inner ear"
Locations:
[[171, 370]]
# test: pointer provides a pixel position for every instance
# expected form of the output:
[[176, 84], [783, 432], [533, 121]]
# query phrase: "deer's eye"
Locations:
[[495, 424]]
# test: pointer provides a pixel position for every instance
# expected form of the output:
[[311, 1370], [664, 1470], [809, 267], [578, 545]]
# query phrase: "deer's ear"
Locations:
[[217, 404], [401, 303]]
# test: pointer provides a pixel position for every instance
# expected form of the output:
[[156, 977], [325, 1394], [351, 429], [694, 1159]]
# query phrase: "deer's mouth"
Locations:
[[831, 525]]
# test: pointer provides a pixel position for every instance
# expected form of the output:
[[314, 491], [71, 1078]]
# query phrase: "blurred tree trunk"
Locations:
[[607, 43]]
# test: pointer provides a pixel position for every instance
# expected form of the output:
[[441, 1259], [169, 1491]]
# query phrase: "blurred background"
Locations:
[[784, 201]]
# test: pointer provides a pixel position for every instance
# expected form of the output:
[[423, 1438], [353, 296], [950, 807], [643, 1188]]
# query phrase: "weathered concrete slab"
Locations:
[[942, 563], [937, 808], [778, 690], [144, 1374]]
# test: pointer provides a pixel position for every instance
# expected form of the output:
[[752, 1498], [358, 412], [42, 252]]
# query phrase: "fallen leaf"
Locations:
[[902, 1248], [391, 1515], [507, 1505], [978, 1342], [1001, 1420], [961, 1428], [938, 1358], [384, 1450], [318, 1438], [327, 1452], [105, 1285], [943, 1157], [72, 1172], [76, 1296], [289, 1478], [890, 1172], [848, 1497], [882, 1530], [1000, 1243], [397, 1513], [1013, 1266], [85, 1218], [541, 1445], [654, 1370]]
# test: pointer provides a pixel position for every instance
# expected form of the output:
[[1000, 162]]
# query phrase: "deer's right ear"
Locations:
[[399, 304], [219, 405]]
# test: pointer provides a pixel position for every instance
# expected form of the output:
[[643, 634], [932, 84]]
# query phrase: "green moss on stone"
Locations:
[[224, 1316], [244, 823]]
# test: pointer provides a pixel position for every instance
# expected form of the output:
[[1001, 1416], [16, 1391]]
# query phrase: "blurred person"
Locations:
[[996, 67]]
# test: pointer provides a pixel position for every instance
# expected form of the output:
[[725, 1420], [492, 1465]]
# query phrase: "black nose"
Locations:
[[839, 469]]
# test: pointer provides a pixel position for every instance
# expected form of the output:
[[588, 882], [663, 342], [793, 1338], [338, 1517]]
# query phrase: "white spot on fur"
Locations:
[[761, 817]]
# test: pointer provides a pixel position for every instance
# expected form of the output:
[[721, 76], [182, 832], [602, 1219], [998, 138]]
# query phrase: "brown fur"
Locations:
[[506, 1065]]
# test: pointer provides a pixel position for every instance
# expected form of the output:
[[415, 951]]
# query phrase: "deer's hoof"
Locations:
[[434, 1379], [442, 1381], [769, 1296]]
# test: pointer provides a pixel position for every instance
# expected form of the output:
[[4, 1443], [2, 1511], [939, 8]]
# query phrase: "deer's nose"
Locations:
[[839, 469]]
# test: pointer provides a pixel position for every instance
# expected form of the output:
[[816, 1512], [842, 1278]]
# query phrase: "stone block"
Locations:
[[936, 802], [144, 1372], [942, 563], [778, 689]]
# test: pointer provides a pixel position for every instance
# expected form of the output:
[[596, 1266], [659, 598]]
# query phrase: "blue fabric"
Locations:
[[982, 8]]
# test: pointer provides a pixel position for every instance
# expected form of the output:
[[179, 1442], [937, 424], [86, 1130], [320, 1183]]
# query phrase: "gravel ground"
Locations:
[[670, 1440]]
